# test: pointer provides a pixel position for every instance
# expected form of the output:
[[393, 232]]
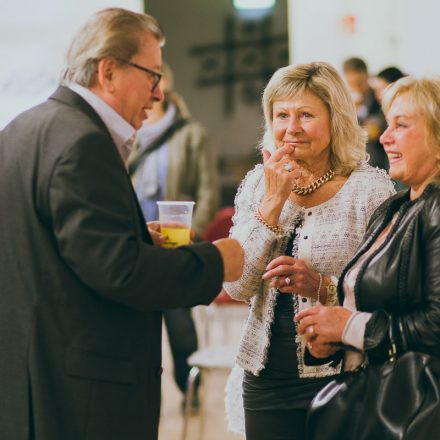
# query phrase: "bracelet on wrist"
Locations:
[[277, 229]]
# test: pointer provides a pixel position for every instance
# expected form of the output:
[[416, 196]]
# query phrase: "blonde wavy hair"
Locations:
[[111, 32], [425, 97], [348, 138]]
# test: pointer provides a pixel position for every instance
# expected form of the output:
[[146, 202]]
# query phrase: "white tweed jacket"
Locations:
[[327, 237]]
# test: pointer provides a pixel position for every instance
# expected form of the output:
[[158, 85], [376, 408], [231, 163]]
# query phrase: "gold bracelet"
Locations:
[[275, 229], [318, 293]]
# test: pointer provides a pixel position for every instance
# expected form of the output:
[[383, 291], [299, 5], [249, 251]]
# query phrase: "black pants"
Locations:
[[183, 341], [275, 424]]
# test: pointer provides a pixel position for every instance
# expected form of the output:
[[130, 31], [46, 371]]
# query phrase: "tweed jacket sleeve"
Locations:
[[259, 243]]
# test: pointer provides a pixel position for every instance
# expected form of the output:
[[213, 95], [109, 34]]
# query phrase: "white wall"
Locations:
[[399, 32], [33, 39]]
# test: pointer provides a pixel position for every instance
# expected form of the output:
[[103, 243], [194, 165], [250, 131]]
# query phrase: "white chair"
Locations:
[[221, 329]]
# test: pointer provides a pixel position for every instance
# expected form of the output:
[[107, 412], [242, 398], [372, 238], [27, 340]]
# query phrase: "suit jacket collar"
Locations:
[[69, 97]]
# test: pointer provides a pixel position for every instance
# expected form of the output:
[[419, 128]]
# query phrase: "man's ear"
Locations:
[[105, 77]]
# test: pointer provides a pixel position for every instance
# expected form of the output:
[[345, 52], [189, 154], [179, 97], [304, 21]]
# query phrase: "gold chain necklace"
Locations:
[[304, 190]]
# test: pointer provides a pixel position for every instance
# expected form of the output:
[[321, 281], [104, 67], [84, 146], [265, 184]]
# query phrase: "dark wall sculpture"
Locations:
[[242, 61]]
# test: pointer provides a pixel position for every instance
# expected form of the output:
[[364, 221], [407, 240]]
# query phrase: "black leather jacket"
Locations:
[[402, 277]]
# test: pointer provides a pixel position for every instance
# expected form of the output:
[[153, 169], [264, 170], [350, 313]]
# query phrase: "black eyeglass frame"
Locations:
[[157, 75]]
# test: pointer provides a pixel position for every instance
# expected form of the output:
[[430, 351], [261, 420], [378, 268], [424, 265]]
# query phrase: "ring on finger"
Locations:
[[310, 329], [287, 280], [288, 167]]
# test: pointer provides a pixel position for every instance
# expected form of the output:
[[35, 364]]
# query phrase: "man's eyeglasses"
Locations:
[[156, 75]]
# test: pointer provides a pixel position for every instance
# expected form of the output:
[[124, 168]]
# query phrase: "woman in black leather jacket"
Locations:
[[397, 268]]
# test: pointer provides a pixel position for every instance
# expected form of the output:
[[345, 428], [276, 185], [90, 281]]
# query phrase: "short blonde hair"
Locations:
[[348, 139], [425, 96], [111, 32]]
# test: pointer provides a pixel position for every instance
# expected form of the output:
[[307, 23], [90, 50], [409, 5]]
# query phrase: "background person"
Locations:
[[368, 109], [384, 78], [396, 269], [82, 286], [173, 159], [299, 218]]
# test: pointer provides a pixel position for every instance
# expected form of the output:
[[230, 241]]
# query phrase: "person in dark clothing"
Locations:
[[384, 78], [369, 112], [396, 270], [83, 283]]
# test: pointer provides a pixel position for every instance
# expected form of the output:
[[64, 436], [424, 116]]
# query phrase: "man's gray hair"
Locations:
[[111, 32]]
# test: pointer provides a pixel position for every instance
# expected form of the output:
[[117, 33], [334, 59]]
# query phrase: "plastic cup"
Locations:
[[175, 218]]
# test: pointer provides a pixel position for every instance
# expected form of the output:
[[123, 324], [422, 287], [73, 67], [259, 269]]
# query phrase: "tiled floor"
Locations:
[[224, 327]]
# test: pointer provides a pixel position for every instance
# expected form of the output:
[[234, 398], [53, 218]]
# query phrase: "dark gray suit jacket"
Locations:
[[81, 286]]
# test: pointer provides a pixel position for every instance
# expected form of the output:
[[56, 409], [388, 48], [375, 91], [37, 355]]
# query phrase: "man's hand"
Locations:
[[154, 230], [233, 258]]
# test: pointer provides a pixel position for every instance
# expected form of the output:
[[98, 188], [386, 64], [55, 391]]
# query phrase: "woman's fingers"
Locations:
[[278, 271], [283, 259], [266, 155], [281, 152], [304, 279], [305, 324], [321, 350], [327, 322], [284, 284], [308, 312]]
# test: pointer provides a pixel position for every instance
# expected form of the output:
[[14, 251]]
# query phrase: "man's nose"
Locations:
[[157, 93]]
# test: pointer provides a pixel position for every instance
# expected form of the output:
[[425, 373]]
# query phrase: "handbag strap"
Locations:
[[178, 123], [402, 335], [392, 351]]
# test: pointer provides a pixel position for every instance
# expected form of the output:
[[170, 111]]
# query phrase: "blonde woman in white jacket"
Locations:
[[300, 217]]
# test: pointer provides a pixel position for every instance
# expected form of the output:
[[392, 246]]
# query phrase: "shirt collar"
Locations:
[[123, 134]]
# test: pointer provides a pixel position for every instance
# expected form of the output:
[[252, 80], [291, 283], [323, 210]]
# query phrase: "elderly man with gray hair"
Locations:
[[82, 284]]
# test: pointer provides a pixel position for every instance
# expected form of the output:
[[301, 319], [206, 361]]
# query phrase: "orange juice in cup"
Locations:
[[175, 218], [175, 236]]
